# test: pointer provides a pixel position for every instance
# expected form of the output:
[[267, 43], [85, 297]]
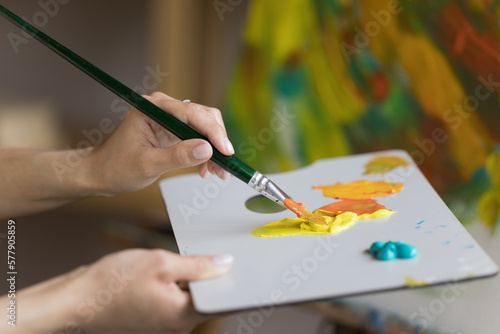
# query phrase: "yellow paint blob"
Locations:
[[336, 222], [383, 164], [362, 189], [413, 282]]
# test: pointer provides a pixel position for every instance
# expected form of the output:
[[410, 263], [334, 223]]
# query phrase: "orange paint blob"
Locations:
[[359, 207], [363, 189], [383, 164], [300, 210], [364, 208]]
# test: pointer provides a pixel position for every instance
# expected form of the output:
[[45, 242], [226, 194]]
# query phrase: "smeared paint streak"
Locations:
[[384, 164], [336, 222], [365, 208], [446, 243], [386, 251], [417, 227], [413, 282], [300, 210], [363, 189], [469, 246], [441, 225], [420, 222]]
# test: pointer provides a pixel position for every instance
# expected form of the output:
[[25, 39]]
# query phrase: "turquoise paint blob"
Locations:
[[386, 251]]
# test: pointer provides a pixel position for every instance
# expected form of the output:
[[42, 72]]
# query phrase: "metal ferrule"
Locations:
[[268, 188]]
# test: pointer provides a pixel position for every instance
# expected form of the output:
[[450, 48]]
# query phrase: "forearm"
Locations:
[[32, 181], [47, 307]]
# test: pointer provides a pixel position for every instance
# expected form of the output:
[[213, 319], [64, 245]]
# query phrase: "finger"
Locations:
[[211, 167], [203, 170], [161, 96], [206, 121], [222, 173], [217, 115], [198, 267], [186, 153], [217, 170]]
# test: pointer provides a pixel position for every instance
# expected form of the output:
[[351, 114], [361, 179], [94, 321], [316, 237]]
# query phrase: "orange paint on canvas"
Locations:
[[300, 210], [364, 208], [363, 189], [384, 164], [359, 207]]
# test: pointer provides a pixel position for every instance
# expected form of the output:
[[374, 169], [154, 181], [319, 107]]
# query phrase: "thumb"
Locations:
[[186, 153], [199, 267]]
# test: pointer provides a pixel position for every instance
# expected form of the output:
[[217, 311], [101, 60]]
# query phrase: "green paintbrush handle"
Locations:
[[232, 164]]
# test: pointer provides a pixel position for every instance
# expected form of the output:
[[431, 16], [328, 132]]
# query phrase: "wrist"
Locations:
[[89, 178]]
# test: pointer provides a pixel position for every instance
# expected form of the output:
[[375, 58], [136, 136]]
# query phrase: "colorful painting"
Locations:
[[317, 79]]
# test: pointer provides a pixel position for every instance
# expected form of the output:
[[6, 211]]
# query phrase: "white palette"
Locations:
[[210, 217]]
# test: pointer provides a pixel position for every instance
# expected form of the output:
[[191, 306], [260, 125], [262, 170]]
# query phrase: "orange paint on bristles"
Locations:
[[297, 208], [300, 210]]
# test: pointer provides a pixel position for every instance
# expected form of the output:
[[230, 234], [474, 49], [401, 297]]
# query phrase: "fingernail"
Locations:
[[223, 260], [229, 146], [202, 151]]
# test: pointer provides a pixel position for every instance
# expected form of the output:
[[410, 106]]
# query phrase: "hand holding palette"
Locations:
[[359, 208]]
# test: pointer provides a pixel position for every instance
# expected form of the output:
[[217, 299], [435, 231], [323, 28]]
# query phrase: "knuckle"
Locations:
[[190, 111], [157, 95], [158, 258], [215, 112], [178, 156]]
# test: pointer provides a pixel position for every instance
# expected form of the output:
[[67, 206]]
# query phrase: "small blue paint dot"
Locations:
[[446, 243]]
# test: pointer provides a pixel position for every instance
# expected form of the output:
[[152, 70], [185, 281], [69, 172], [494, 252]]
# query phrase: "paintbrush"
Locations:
[[232, 164]]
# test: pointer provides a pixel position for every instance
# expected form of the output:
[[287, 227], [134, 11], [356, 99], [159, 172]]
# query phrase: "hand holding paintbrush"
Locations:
[[183, 131]]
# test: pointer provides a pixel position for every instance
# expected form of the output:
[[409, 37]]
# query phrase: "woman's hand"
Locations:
[[133, 291], [133, 157], [140, 150]]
